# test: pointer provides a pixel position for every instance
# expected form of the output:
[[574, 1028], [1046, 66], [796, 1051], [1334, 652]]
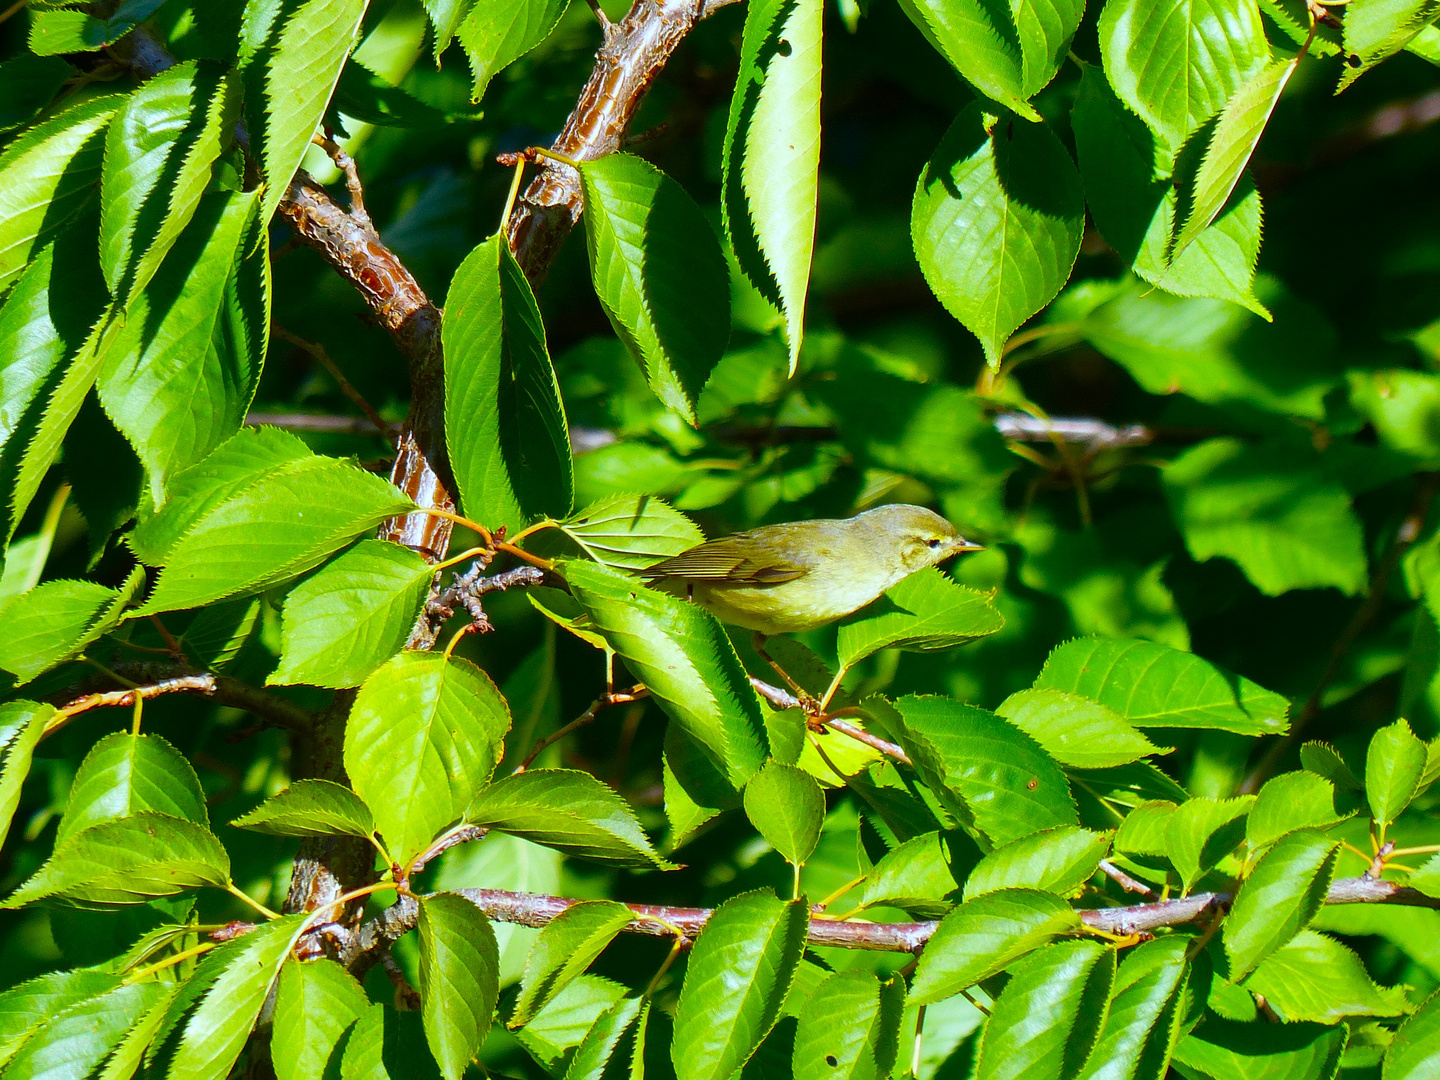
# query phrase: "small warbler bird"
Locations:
[[779, 579]]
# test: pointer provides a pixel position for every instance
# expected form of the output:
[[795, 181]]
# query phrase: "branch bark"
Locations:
[[537, 910]]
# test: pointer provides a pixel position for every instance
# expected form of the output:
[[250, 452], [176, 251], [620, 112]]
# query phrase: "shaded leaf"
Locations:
[[1416, 1050], [1316, 978], [26, 1006], [629, 532], [1203, 831], [21, 725], [55, 621], [314, 1004], [1223, 1049], [27, 84], [659, 275], [75, 1042], [979, 41], [1143, 1023], [849, 1029], [920, 876], [496, 35], [504, 421], [597, 1052]]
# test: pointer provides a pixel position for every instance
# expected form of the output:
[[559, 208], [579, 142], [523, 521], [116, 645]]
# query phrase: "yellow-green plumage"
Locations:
[[779, 579]]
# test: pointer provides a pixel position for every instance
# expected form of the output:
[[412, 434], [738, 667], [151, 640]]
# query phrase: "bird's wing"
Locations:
[[726, 559]]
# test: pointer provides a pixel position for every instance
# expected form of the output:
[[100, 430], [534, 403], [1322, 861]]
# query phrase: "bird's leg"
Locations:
[[807, 699]]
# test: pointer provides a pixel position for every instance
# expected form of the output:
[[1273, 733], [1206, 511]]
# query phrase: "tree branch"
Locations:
[[158, 679], [537, 910]]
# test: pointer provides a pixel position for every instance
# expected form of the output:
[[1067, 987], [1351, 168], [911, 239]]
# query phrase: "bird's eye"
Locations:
[[934, 543]]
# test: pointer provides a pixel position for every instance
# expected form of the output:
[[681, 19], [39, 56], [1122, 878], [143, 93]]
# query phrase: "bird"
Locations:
[[798, 575]]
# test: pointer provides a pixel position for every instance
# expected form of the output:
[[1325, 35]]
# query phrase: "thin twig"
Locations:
[[1124, 880], [635, 693], [1426, 487], [347, 388], [220, 688], [331, 425], [346, 164], [783, 699]]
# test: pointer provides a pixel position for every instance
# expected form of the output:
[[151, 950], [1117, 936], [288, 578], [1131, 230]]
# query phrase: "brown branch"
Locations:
[[1427, 485], [633, 54], [466, 592], [175, 679], [604, 701], [537, 910], [783, 699]]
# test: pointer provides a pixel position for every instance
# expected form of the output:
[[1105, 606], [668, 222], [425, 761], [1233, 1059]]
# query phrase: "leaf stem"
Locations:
[[514, 192], [675, 950], [240, 894], [170, 961]]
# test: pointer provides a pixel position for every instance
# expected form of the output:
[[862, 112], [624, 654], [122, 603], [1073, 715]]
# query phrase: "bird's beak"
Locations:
[[967, 545]]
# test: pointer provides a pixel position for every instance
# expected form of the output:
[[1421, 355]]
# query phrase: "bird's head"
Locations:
[[922, 537]]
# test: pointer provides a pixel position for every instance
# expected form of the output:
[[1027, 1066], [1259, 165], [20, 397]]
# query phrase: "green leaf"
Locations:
[[21, 725], [276, 526], [1378, 29], [128, 861], [1224, 1049], [27, 84], [984, 936], [309, 45], [570, 811], [445, 17], [850, 1028], [25, 1007], [1131, 193], [659, 274], [922, 876], [53, 622], [1427, 877], [1271, 509], [1201, 832], [496, 35], [1058, 860], [1145, 1012], [244, 459], [565, 948], [1044, 29], [172, 381], [1290, 801], [310, 808], [1046, 1020], [1279, 898], [459, 979], [926, 611], [1220, 354], [564, 1023], [1394, 764], [314, 1004], [983, 769], [351, 615], [683, 656], [1153, 685], [76, 1042], [596, 1052], [47, 176], [787, 808], [43, 324], [128, 774], [1177, 66], [504, 421], [159, 154], [234, 980], [771, 161], [1416, 1050], [53, 32], [979, 41], [385, 1044], [424, 736], [1241, 124], [996, 223], [1316, 978], [735, 984], [628, 532], [1074, 730]]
